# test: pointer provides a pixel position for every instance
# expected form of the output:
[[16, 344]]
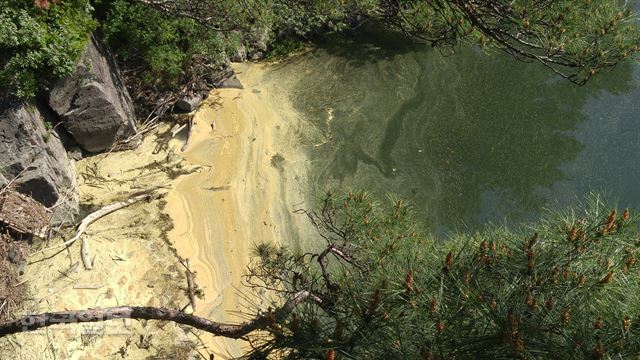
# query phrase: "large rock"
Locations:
[[93, 103], [232, 82], [189, 103], [37, 155]]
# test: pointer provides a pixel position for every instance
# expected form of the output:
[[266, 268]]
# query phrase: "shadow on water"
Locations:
[[468, 138]]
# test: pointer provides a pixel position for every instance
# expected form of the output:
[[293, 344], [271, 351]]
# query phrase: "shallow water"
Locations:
[[470, 138]]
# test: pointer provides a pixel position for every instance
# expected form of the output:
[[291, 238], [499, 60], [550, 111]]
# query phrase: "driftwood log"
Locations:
[[234, 331]]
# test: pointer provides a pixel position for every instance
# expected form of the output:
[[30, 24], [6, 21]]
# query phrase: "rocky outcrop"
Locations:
[[227, 79], [239, 55], [36, 154], [93, 103]]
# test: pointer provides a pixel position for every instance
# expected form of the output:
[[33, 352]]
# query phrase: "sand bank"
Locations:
[[255, 176], [251, 175], [133, 264]]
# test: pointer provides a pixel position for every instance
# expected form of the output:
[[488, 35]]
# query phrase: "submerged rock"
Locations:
[[93, 103], [35, 153]]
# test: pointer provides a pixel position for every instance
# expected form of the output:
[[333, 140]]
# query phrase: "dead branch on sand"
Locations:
[[233, 331], [84, 254], [97, 215]]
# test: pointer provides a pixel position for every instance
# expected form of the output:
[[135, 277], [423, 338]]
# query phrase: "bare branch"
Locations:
[[234, 331]]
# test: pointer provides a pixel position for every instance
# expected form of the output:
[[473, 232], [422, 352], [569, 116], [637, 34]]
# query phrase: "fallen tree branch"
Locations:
[[177, 129], [106, 210], [88, 287], [233, 331]]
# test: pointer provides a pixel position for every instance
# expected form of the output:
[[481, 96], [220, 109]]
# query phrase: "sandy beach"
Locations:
[[132, 265], [237, 184], [253, 178]]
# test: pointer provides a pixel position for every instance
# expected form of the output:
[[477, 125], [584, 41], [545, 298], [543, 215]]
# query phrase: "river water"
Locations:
[[469, 138]]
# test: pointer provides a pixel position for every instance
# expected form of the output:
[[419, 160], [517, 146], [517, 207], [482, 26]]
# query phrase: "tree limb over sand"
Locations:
[[234, 331]]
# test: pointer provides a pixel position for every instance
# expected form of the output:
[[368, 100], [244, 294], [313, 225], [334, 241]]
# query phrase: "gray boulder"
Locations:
[[239, 52], [93, 103], [189, 103], [257, 40], [232, 82], [227, 79], [37, 156]]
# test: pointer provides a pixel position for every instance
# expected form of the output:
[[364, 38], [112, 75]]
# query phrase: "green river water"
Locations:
[[469, 138]]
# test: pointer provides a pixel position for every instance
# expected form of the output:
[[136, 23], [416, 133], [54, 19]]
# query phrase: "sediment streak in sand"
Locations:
[[242, 196]]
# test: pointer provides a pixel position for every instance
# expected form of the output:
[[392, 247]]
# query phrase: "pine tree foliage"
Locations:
[[564, 288], [576, 39], [161, 49]]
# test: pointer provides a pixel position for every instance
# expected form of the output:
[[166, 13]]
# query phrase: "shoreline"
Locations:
[[131, 264], [236, 185], [253, 175]]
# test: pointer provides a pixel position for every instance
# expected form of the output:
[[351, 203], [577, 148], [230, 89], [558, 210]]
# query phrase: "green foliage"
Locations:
[[576, 39], [564, 288], [285, 47], [165, 48], [170, 42], [38, 46], [303, 18]]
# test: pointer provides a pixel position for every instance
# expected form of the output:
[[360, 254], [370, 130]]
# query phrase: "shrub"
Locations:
[[38, 46], [164, 49]]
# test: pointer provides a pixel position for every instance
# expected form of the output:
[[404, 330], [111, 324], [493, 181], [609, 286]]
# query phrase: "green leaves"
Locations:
[[37, 46], [163, 49], [175, 40]]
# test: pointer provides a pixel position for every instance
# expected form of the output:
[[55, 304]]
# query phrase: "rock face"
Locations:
[[239, 55], [27, 146], [93, 103]]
